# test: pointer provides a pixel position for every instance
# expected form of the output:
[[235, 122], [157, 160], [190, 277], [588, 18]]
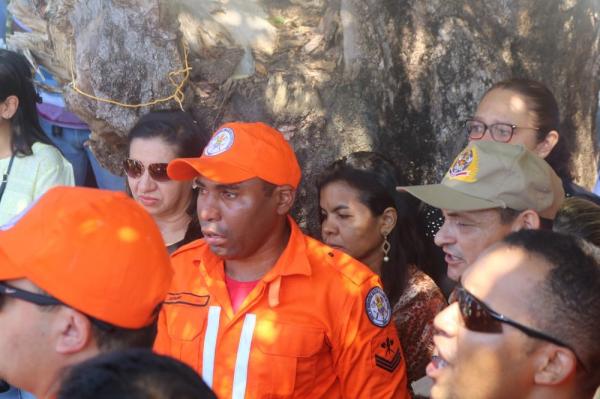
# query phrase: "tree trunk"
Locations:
[[335, 76]]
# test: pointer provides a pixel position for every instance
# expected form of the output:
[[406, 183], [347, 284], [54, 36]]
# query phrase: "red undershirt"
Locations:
[[238, 291]]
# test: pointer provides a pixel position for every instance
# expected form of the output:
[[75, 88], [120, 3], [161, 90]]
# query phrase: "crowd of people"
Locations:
[[198, 283]]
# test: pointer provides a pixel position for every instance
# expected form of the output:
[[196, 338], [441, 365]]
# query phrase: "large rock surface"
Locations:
[[122, 51], [335, 76]]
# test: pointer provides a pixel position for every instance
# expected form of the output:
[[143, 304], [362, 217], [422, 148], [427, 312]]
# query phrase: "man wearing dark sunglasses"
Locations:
[[490, 190], [82, 272], [525, 323]]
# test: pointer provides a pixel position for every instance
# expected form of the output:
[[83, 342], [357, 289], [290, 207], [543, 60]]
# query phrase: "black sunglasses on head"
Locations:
[[479, 317], [42, 300], [135, 169]]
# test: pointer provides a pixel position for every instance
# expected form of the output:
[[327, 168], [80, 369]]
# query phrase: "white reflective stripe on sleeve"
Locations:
[[240, 376], [210, 345]]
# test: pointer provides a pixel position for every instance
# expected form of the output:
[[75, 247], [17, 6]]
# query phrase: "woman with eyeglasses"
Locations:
[[157, 138], [364, 216], [520, 111], [29, 163], [524, 111]]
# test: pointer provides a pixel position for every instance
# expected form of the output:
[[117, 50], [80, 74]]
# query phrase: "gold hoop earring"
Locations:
[[385, 247]]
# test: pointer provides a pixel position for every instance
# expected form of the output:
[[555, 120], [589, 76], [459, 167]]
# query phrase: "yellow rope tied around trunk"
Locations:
[[177, 95]]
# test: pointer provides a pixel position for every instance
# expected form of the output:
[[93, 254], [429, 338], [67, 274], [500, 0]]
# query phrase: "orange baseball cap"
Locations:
[[96, 251], [240, 151]]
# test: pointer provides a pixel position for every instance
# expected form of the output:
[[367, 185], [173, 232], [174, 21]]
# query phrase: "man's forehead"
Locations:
[[503, 271], [208, 182], [24, 284], [474, 215]]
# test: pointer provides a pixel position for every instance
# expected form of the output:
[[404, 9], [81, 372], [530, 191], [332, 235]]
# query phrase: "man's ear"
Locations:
[[545, 147], [553, 365], [527, 220], [388, 219], [9, 106], [74, 331], [285, 196]]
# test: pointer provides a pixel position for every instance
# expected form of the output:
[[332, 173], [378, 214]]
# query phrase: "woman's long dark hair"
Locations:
[[16, 79], [174, 127], [375, 179]]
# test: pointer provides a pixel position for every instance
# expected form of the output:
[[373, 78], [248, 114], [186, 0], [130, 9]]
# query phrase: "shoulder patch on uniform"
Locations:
[[377, 306], [388, 355], [348, 267]]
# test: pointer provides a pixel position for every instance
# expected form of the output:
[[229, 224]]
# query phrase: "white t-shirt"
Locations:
[[31, 176]]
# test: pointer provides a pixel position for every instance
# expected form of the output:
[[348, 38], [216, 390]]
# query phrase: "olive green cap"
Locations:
[[487, 175]]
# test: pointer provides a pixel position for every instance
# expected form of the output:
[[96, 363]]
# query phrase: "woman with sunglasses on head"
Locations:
[[156, 139], [29, 163], [364, 216]]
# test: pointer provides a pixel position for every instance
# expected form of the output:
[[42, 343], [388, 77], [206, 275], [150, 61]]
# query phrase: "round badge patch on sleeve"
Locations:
[[378, 307]]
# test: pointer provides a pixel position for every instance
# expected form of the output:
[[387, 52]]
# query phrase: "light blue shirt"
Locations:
[[14, 393]]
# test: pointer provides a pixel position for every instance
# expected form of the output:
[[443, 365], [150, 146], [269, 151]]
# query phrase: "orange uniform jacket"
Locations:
[[309, 329]]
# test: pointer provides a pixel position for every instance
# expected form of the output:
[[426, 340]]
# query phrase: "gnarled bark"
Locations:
[[335, 76]]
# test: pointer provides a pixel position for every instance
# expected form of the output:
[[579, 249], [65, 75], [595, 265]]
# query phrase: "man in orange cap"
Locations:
[[84, 271], [260, 309]]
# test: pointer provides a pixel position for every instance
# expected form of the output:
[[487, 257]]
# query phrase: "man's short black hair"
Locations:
[[508, 215], [567, 302], [133, 374], [111, 338]]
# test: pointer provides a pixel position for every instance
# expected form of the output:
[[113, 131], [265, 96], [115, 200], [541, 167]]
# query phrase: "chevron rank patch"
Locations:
[[387, 353]]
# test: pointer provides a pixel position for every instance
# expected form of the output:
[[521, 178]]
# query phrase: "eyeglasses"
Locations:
[[43, 300], [500, 132], [135, 169], [478, 317]]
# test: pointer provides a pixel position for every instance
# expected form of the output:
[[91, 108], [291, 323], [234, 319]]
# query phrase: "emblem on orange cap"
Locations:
[[465, 166], [220, 142]]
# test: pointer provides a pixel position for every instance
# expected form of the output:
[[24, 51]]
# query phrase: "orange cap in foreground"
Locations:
[[96, 251], [240, 151]]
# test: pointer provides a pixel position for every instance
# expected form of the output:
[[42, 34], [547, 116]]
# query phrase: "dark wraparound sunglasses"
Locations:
[[31, 297], [479, 317], [135, 169], [42, 300]]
